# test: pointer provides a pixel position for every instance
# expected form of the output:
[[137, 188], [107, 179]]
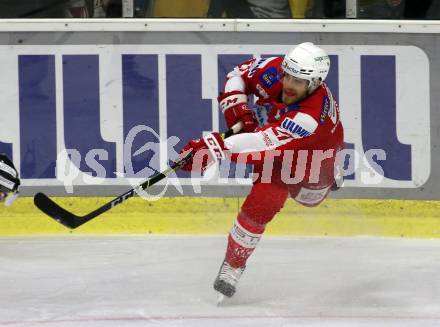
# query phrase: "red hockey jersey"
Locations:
[[307, 133]]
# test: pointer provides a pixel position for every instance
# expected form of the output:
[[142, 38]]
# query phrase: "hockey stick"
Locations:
[[72, 221]]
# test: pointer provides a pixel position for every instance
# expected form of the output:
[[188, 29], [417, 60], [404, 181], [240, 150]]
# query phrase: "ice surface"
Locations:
[[167, 281]]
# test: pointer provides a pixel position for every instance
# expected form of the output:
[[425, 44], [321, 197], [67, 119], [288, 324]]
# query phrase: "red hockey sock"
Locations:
[[242, 240]]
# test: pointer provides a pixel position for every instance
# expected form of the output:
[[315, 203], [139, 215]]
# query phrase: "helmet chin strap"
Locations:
[[313, 85]]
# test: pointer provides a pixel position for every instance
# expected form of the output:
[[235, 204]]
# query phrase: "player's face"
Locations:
[[294, 89]]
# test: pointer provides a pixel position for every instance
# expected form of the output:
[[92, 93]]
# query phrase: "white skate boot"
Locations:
[[226, 280]]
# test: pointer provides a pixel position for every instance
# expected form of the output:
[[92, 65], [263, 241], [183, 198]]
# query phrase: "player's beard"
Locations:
[[288, 100]]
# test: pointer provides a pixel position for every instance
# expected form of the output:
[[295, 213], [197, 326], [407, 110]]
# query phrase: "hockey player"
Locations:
[[9, 180], [294, 124]]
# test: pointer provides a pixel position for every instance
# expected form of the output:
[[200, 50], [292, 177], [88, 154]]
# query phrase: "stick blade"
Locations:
[[53, 210]]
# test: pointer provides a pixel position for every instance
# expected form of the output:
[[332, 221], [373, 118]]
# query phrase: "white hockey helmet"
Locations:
[[307, 61]]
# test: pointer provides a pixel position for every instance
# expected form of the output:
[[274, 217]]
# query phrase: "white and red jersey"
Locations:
[[312, 124], [259, 76]]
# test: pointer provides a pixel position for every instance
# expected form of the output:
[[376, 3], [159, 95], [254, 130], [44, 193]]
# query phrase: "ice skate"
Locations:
[[226, 281]]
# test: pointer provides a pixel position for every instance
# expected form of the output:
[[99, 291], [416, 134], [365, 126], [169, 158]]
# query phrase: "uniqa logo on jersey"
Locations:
[[87, 98]]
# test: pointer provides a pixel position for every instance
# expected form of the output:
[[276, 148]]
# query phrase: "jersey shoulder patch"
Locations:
[[269, 77], [301, 125]]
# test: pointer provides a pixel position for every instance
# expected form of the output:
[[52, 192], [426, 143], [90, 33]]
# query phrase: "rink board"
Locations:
[[210, 216], [146, 87]]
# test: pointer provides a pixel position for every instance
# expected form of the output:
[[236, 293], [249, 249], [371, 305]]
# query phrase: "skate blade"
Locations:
[[220, 299]]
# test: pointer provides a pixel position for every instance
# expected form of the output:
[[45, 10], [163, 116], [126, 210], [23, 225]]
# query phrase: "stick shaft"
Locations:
[[72, 221]]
